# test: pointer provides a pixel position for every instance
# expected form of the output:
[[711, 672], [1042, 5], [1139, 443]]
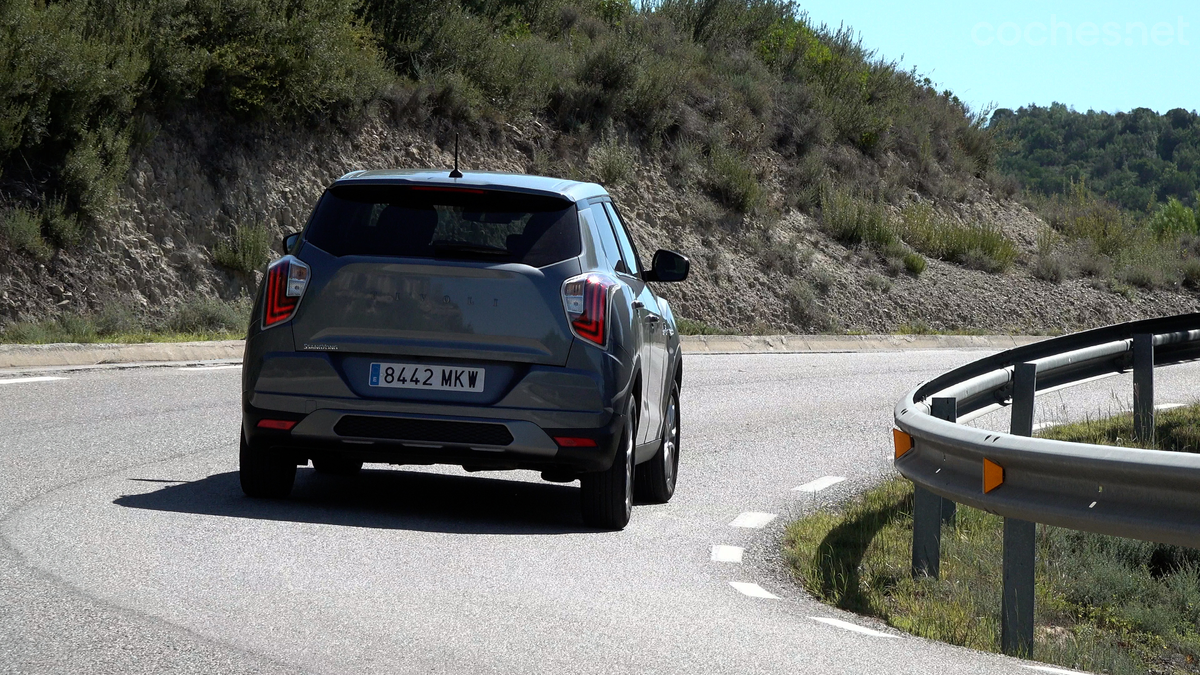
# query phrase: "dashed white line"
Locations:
[[846, 625], [819, 484], [20, 380], [1058, 671], [194, 368], [722, 553], [753, 590], [752, 519]]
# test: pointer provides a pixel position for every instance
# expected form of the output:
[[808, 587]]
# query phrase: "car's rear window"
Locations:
[[454, 223]]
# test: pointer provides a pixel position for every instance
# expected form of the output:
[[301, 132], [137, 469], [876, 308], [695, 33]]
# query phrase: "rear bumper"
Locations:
[[472, 438]]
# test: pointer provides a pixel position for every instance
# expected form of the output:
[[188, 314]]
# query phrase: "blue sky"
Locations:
[[1101, 55]]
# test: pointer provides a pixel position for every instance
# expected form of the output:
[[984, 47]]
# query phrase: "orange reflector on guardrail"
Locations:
[[993, 475], [903, 441]]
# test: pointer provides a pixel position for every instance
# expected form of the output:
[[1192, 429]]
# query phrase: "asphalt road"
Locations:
[[127, 547]]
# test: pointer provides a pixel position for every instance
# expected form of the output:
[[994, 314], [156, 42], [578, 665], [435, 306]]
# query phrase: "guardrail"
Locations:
[[1144, 494]]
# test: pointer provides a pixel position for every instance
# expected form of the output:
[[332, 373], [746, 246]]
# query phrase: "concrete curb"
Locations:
[[61, 355], [799, 344], [67, 355]]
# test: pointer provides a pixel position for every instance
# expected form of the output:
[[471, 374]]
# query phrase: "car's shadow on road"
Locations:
[[389, 499]]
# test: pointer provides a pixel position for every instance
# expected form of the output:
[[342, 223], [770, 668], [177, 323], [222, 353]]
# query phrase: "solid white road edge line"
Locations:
[[19, 380], [819, 484], [1058, 671], [1169, 406], [753, 590], [752, 519], [722, 553], [846, 625], [210, 367]]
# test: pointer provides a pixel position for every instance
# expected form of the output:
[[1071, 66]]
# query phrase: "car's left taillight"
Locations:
[[586, 300], [286, 280]]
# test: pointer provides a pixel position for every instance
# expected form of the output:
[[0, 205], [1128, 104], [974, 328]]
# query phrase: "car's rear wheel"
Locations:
[[608, 495], [336, 466], [265, 474], [656, 478]]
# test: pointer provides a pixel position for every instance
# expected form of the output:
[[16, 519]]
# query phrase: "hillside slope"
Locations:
[[152, 153], [785, 274]]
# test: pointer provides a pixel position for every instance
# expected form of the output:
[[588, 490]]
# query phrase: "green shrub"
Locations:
[[731, 179], [23, 230], [246, 251], [209, 315], [1150, 263], [854, 220], [878, 282], [1172, 220], [977, 244], [1191, 272], [1050, 267], [806, 310], [611, 162], [914, 263], [64, 228]]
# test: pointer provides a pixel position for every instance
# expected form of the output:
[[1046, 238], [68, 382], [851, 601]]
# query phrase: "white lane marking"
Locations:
[[1042, 425], [752, 519], [846, 625], [209, 367], [753, 590], [19, 380], [820, 484], [722, 553], [1169, 406], [1058, 671]]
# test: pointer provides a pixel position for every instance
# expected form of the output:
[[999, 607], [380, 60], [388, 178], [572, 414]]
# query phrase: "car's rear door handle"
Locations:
[[637, 304], [651, 318]]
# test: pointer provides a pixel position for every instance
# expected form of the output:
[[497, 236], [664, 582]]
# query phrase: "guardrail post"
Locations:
[[927, 533], [1143, 388], [1016, 605], [946, 408]]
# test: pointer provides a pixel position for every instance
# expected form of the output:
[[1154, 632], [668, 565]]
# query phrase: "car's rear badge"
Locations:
[[332, 348]]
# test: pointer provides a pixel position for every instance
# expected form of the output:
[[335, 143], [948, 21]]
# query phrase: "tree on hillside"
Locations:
[[1138, 159]]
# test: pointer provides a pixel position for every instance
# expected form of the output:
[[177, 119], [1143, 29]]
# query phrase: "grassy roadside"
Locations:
[[197, 320], [1104, 604]]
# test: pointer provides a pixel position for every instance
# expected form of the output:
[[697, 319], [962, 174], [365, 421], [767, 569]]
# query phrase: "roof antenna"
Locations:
[[456, 173]]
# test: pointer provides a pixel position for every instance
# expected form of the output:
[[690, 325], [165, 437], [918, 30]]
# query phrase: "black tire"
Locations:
[[608, 495], [336, 466], [265, 474], [656, 478]]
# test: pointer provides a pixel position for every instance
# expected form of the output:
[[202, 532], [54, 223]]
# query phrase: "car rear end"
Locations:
[[420, 322]]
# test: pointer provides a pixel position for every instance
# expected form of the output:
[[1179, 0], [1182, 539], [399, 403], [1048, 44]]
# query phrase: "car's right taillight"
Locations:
[[586, 300], [286, 280]]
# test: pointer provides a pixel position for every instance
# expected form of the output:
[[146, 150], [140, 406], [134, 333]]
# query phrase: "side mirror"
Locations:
[[289, 241], [667, 266]]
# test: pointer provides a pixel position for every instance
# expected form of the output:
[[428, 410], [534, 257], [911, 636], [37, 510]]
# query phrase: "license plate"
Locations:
[[424, 376]]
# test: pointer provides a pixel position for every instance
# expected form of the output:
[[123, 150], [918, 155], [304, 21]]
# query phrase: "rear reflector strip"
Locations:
[[571, 442], [282, 425]]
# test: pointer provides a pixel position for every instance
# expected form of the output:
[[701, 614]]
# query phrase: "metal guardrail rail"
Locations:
[[1144, 494]]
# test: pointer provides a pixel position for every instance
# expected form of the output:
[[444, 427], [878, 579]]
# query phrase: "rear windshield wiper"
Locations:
[[443, 247]]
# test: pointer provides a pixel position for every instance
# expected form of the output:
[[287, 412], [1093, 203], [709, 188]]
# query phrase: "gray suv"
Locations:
[[492, 321]]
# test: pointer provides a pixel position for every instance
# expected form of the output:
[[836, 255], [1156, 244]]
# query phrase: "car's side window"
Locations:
[[628, 252], [604, 230]]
